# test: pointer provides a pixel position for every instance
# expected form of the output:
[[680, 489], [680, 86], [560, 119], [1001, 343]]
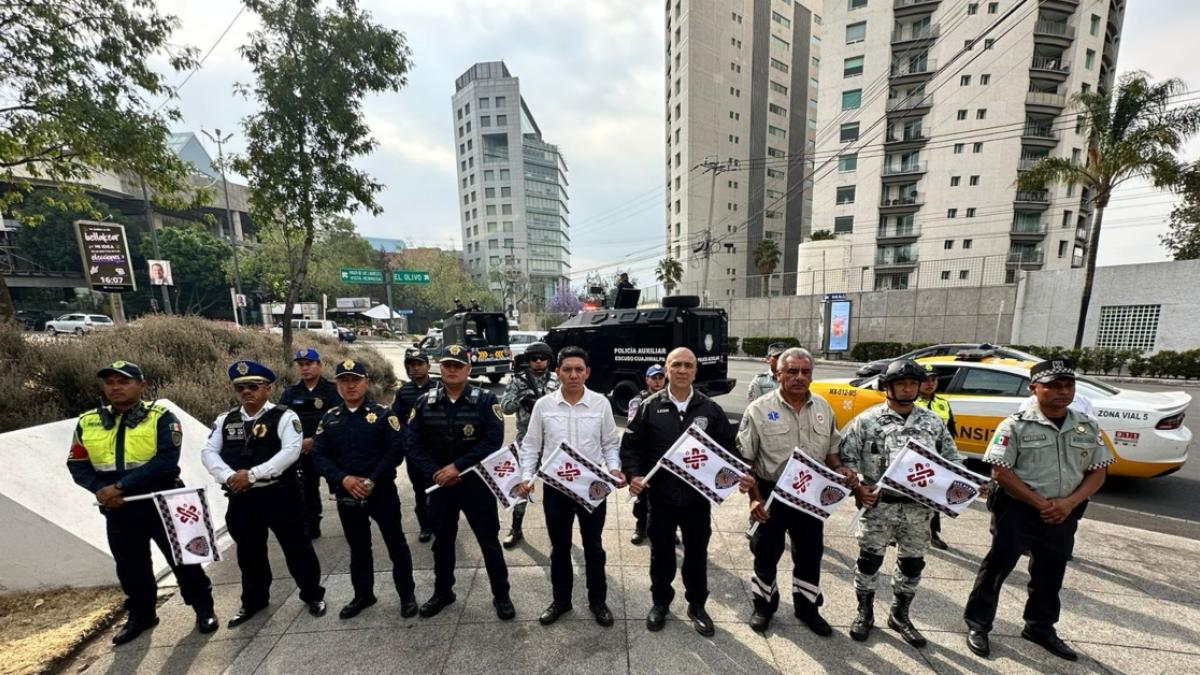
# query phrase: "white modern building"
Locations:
[[740, 85], [928, 111], [512, 189]]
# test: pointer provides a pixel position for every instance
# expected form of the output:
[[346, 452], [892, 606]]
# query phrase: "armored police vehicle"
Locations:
[[623, 343], [484, 334]]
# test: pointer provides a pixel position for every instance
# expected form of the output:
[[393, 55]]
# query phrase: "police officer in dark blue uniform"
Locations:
[[453, 427], [310, 398], [416, 364], [357, 447]]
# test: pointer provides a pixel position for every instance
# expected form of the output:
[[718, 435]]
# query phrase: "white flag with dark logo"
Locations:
[[501, 473], [926, 477], [810, 486], [703, 464], [185, 517], [577, 477]]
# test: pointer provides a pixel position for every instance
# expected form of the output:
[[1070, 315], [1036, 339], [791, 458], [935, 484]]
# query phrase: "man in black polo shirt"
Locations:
[[310, 398]]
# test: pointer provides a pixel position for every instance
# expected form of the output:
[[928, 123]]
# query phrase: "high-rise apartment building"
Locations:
[[740, 85], [512, 189], [929, 110]]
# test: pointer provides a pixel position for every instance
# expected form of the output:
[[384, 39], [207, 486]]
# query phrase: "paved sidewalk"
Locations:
[[1131, 604]]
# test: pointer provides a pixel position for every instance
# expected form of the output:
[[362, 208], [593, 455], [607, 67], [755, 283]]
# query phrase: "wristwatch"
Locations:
[[250, 477]]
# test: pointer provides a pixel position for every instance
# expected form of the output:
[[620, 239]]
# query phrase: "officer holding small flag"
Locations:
[[358, 446], [131, 447]]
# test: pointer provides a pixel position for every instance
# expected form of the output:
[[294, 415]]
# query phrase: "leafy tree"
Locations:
[[47, 234], [1183, 238], [448, 280], [766, 259], [267, 266], [668, 272], [313, 68], [199, 266], [822, 235], [1131, 132], [564, 301]]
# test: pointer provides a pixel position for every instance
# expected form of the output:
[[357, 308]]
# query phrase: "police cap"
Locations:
[[1043, 372], [350, 368], [413, 354], [776, 348], [655, 370], [307, 354], [455, 352], [123, 368], [246, 370]]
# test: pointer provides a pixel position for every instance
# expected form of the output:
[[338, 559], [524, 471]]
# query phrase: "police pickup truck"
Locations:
[[622, 343], [484, 334]]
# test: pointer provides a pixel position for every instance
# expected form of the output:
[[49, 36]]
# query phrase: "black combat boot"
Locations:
[[865, 621], [899, 622]]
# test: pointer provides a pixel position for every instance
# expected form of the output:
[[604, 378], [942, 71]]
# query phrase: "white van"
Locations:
[[329, 328]]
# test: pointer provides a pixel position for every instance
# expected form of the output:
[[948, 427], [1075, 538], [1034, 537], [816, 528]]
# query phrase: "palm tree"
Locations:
[[822, 235], [766, 259], [668, 273], [1131, 133]]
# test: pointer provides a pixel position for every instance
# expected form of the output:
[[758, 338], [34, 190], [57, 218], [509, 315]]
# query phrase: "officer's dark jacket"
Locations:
[[367, 442], [311, 406], [246, 445], [655, 428], [406, 398], [462, 432], [141, 471]]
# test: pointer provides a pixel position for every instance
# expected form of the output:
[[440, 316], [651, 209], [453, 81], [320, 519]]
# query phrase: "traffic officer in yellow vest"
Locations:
[[928, 398], [252, 452], [131, 447], [1047, 461]]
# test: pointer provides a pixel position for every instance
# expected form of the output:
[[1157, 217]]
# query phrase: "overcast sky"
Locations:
[[592, 73]]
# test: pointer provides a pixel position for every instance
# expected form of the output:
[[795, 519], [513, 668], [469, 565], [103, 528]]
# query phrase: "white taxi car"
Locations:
[[1143, 429]]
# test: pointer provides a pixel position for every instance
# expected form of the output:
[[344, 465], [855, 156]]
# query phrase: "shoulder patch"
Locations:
[[394, 422], [297, 426], [498, 412], [412, 414]]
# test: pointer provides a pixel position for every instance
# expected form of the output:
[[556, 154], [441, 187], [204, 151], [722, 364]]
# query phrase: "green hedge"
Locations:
[[757, 346], [1093, 360], [731, 345]]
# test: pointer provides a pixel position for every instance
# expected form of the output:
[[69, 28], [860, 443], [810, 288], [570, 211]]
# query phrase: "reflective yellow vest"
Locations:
[[938, 405], [100, 444]]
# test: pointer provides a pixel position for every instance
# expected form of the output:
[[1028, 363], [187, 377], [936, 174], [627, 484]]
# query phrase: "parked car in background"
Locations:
[[79, 324], [329, 328], [346, 335], [878, 365], [519, 340], [33, 319]]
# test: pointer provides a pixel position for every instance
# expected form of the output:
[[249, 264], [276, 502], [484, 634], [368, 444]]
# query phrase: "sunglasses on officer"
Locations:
[[539, 358], [246, 386]]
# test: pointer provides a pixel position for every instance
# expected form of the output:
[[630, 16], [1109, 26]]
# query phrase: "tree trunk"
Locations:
[[294, 290], [1089, 274], [7, 310]]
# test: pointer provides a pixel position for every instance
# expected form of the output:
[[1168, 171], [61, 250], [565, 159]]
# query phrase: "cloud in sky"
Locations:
[[593, 75]]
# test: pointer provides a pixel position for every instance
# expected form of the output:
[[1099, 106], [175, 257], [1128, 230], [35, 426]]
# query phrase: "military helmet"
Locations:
[[902, 369], [539, 349]]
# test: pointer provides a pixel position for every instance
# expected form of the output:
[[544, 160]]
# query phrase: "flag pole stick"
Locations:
[[645, 479], [165, 493], [767, 507], [435, 486], [858, 516]]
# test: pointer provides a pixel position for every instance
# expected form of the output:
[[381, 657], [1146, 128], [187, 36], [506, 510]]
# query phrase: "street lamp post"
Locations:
[[237, 274]]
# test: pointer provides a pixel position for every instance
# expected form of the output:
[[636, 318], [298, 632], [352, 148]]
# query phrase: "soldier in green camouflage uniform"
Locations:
[[868, 445], [766, 381], [524, 388]]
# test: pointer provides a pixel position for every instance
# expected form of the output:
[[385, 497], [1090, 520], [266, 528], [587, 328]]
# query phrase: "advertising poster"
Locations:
[[839, 326], [160, 273], [105, 252]]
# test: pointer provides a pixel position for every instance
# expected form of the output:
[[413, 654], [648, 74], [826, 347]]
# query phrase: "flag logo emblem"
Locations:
[[803, 478], [504, 469], [725, 478], [695, 458], [960, 493], [831, 495], [187, 513], [920, 474], [569, 472], [598, 490], [198, 546]]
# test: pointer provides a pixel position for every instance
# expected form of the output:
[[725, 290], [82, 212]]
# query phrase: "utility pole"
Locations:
[[711, 164], [233, 238], [386, 269], [166, 291]]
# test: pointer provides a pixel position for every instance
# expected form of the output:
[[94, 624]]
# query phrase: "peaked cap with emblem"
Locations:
[[308, 354], [246, 370], [455, 352], [776, 348], [1050, 370], [123, 368], [350, 368]]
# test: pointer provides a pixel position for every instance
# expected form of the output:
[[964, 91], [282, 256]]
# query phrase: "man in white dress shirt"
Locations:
[[582, 419], [252, 452]]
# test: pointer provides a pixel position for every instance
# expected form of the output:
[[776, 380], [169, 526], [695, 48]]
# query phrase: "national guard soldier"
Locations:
[[768, 380], [310, 398], [524, 389], [868, 444], [656, 377], [252, 452], [1047, 462], [358, 446], [453, 427], [416, 364], [673, 504], [772, 426], [131, 447], [928, 398]]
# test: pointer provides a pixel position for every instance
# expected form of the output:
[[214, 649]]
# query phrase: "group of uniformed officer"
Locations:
[[1047, 461]]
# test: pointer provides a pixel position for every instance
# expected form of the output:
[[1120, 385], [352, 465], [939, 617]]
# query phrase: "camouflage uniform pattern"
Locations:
[[518, 386], [869, 443], [763, 383]]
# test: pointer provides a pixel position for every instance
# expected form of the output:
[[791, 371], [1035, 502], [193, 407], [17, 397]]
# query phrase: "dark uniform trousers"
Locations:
[[310, 490], [382, 506], [131, 528], [474, 500], [277, 508], [641, 513], [561, 512], [694, 523], [767, 545], [420, 483], [1017, 528]]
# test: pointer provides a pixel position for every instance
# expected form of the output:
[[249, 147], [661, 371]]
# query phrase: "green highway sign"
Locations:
[[356, 275]]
